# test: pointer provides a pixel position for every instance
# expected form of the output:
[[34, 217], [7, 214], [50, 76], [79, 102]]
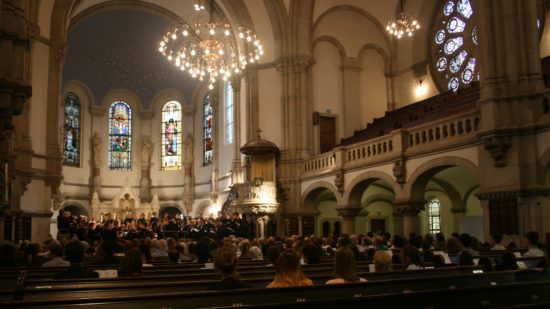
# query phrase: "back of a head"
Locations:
[[288, 263], [344, 265], [173, 256], [56, 250], [466, 259], [509, 261], [132, 263], [465, 239], [226, 261], [399, 242], [74, 251], [273, 253], [412, 254], [109, 248], [532, 237], [453, 246], [382, 261], [256, 253], [487, 264], [311, 254], [497, 238]]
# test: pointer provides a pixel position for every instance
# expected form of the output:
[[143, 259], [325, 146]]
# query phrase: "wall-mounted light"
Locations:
[[419, 87]]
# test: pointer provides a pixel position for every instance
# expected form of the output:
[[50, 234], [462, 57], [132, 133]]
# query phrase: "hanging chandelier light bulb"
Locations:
[[402, 24], [209, 48]]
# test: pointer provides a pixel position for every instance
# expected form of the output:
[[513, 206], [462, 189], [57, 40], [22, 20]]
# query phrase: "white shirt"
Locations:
[[534, 252]]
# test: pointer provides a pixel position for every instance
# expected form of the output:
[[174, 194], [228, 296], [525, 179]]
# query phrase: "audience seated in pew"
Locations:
[[382, 261], [56, 252], [533, 250], [496, 243], [289, 272], [225, 263], [106, 252], [412, 258], [74, 251], [131, 264], [345, 269]]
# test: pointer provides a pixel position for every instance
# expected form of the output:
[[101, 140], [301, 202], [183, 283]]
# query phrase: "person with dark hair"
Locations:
[[440, 242], [203, 250], [509, 262], [412, 258], [532, 245], [273, 253], [496, 243], [487, 264], [289, 272], [311, 255], [465, 259], [8, 257], [56, 251], [131, 264], [345, 270], [108, 249], [466, 241], [74, 251], [225, 263], [174, 256]]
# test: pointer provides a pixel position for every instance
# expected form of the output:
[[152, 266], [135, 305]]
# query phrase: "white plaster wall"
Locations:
[[327, 212], [327, 82], [374, 100]]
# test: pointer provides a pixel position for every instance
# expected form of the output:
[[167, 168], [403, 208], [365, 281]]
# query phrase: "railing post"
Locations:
[[339, 157], [400, 140]]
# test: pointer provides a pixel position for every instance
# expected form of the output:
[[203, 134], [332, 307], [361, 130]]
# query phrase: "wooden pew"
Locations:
[[169, 297]]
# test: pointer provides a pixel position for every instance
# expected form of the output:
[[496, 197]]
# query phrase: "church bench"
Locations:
[[201, 283], [167, 296]]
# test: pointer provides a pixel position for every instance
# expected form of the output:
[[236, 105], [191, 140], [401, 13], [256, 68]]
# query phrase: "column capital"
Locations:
[[408, 208], [347, 212]]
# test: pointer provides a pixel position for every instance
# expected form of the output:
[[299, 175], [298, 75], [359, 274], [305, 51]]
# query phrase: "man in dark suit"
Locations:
[[226, 262], [74, 251]]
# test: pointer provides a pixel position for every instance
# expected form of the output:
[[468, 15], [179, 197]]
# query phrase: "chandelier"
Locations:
[[402, 23], [208, 47]]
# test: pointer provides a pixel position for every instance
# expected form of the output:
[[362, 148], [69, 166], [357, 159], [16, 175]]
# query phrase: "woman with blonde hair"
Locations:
[[345, 269], [382, 261], [289, 273]]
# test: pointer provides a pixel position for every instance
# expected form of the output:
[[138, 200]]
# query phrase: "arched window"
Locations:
[[208, 123], [434, 216], [120, 136], [228, 113], [71, 126], [171, 136], [454, 48]]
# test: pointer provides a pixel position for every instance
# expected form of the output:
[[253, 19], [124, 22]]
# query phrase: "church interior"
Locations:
[[305, 117]]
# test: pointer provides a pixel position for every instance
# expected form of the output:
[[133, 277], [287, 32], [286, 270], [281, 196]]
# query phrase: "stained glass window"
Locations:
[[171, 136], [208, 122], [71, 132], [454, 47], [228, 114], [120, 136], [434, 216]]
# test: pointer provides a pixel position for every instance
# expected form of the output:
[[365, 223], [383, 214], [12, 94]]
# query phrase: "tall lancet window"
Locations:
[[228, 113], [120, 136], [171, 136], [434, 216], [71, 126], [208, 123]]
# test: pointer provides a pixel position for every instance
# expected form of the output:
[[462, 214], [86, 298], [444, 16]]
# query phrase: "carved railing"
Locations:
[[443, 130], [386, 148]]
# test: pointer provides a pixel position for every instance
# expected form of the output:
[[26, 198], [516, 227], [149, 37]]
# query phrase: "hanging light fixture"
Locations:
[[402, 24], [208, 47]]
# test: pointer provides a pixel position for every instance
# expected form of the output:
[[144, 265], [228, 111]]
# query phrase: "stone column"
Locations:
[[188, 177], [97, 150], [236, 165], [145, 182], [512, 91], [398, 223], [349, 214], [410, 211]]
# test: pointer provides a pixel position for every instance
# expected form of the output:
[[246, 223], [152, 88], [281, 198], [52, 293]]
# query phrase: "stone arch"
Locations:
[[121, 94], [457, 201], [379, 50], [279, 24], [361, 12], [70, 205], [163, 96], [171, 209], [86, 96], [333, 41], [313, 191], [419, 178], [377, 198], [357, 186], [199, 211]]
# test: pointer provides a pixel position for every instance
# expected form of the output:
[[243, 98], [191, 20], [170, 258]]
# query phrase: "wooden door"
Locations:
[[378, 225], [327, 133]]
